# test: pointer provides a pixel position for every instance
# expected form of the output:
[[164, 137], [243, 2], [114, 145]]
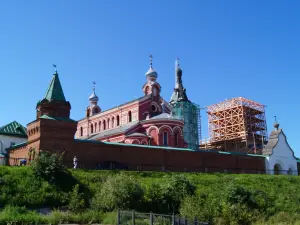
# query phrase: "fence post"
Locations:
[[185, 221], [119, 217], [133, 218], [151, 219], [173, 219], [196, 222]]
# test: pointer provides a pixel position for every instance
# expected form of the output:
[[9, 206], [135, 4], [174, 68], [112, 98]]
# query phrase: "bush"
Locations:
[[19, 215], [76, 203], [48, 166], [118, 192], [203, 207], [176, 189]]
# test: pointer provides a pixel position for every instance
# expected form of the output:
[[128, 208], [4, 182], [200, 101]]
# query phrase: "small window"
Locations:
[[153, 107], [113, 122], [118, 120], [12, 144], [129, 116], [92, 128], [108, 121], [81, 131], [104, 125], [99, 125], [95, 127], [165, 138]]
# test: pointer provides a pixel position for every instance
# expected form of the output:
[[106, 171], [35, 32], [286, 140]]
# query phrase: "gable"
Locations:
[[13, 129], [282, 148]]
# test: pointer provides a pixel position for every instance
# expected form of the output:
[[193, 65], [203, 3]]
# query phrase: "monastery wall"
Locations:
[[90, 154]]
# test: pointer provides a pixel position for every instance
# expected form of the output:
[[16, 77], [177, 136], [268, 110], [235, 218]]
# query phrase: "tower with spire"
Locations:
[[93, 108], [184, 109], [52, 121]]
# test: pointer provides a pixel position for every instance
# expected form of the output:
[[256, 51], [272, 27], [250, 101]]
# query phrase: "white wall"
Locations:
[[5, 142], [282, 155]]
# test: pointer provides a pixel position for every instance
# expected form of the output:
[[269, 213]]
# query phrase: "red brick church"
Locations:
[[145, 121]]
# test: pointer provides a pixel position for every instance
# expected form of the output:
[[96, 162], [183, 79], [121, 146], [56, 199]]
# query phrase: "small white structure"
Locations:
[[280, 158], [11, 134]]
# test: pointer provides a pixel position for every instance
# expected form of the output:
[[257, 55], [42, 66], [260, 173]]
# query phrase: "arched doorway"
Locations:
[[277, 169], [290, 171]]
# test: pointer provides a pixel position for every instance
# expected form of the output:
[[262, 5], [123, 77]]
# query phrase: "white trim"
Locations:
[[176, 128], [165, 126], [151, 128]]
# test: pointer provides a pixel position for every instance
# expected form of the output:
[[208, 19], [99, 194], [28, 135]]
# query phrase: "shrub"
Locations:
[[176, 189], [76, 203], [119, 191], [19, 215], [156, 199], [48, 166], [203, 207]]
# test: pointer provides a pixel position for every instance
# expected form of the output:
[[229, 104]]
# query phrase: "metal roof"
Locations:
[[55, 91], [13, 129]]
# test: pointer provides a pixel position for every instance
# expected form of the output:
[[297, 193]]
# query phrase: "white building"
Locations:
[[11, 134], [280, 158]]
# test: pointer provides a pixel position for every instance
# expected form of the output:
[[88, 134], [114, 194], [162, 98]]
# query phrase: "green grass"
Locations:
[[20, 188]]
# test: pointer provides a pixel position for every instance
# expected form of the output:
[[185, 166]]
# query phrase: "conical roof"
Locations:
[[55, 91]]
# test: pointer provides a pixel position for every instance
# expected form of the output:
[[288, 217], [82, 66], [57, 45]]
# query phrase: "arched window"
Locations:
[[165, 138], [112, 122], [118, 120], [129, 116], [99, 125], [147, 90], [95, 127], [81, 131], [108, 120], [92, 128], [104, 125], [176, 139]]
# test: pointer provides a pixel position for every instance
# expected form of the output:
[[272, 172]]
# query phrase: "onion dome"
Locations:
[[93, 97], [151, 74]]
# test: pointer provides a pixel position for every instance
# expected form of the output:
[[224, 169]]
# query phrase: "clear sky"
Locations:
[[227, 49]]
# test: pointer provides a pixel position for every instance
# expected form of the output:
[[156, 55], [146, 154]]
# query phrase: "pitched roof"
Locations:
[[13, 129], [117, 130], [55, 91]]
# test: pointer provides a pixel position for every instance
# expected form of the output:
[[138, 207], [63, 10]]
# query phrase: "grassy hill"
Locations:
[[93, 196]]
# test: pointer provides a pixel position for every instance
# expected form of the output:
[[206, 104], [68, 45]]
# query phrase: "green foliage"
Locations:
[[48, 166], [218, 198], [119, 191], [76, 203], [203, 207], [19, 215]]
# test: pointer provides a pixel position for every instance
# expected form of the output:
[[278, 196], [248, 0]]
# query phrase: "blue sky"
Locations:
[[226, 49]]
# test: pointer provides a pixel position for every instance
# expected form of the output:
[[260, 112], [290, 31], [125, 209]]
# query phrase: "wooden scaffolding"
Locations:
[[236, 125]]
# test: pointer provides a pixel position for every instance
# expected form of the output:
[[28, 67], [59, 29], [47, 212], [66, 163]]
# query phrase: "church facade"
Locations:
[[145, 121]]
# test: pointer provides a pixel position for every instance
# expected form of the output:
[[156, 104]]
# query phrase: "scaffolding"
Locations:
[[237, 125], [190, 114]]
